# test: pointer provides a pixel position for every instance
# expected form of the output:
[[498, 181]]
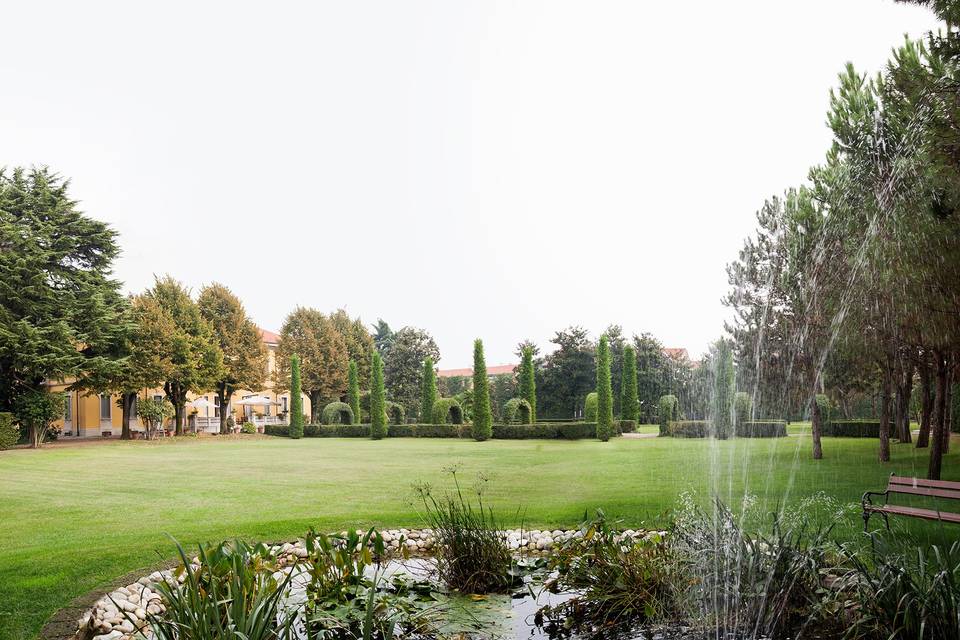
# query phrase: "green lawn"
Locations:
[[75, 517]]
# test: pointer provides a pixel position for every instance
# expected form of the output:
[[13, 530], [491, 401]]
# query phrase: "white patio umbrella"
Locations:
[[255, 401], [202, 403]]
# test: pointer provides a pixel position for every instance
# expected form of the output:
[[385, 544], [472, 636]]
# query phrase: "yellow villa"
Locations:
[[90, 415]]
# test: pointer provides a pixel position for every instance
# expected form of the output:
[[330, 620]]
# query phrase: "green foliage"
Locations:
[[825, 406], [762, 429], [154, 413], [616, 580], [528, 382], [689, 428], [517, 410], [447, 411], [481, 417], [545, 431], [337, 413], [567, 375], [605, 427], [723, 389], [378, 400], [353, 390], [427, 431], [56, 289], [296, 399], [742, 408], [428, 390], [667, 412], [395, 412], [403, 365], [232, 594], [590, 407], [628, 426], [472, 554], [9, 432], [36, 411], [316, 339], [248, 428], [629, 403]]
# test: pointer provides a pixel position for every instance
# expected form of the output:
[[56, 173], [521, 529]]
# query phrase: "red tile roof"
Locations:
[[491, 371], [676, 352], [269, 336]]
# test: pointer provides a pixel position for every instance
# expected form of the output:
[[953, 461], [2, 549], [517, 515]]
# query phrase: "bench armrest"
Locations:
[[866, 501]]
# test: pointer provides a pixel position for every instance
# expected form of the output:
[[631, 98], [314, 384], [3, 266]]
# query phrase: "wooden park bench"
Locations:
[[937, 490]]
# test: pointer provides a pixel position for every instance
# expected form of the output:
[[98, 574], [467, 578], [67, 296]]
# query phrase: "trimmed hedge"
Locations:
[[9, 432], [445, 407], [762, 429], [628, 426], [335, 412], [541, 430], [515, 406], [689, 429], [668, 413], [853, 428], [545, 431]]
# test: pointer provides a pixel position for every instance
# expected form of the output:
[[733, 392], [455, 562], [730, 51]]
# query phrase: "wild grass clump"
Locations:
[[761, 585], [472, 554], [619, 580], [904, 595]]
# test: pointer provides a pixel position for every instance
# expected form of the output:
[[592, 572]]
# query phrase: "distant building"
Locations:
[[495, 370], [677, 353]]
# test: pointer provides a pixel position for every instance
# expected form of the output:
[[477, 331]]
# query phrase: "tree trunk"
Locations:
[[224, 395], [126, 405], [885, 416], [904, 392], [816, 429], [926, 407], [939, 413], [36, 436], [946, 402], [178, 398], [314, 407]]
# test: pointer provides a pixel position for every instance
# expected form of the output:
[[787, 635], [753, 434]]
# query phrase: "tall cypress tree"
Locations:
[[629, 404], [296, 399], [378, 399], [528, 382], [353, 391], [604, 392], [482, 418], [428, 391]]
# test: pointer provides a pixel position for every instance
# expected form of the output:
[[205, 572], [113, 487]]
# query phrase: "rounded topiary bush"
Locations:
[[337, 413], [668, 413], [396, 413], [248, 427], [447, 411], [590, 407], [517, 411]]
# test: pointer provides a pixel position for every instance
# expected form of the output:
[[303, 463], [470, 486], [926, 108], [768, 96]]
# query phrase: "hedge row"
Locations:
[[545, 431], [689, 429], [852, 428], [541, 430], [762, 429]]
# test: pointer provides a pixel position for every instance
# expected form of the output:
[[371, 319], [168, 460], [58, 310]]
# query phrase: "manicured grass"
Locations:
[[76, 517]]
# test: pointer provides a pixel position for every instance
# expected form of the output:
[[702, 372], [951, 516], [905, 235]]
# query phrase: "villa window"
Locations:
[[105, 408], [266, 410], [284, 404], [216, 406]]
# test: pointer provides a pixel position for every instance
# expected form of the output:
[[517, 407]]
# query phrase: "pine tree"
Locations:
[[604, 392], [296, 399], [482, 418], [378, 400], [528, 382], [428, 391], [353, 391], [629, 404]]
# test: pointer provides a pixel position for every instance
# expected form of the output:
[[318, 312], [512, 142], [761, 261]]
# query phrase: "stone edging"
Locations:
[[98, 615]]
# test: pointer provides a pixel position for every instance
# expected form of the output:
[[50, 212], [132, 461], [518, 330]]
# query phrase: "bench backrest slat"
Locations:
[[930, 492], [923, 482]]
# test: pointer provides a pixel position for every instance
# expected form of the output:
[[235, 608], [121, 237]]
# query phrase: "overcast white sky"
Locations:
[[476, 168]]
